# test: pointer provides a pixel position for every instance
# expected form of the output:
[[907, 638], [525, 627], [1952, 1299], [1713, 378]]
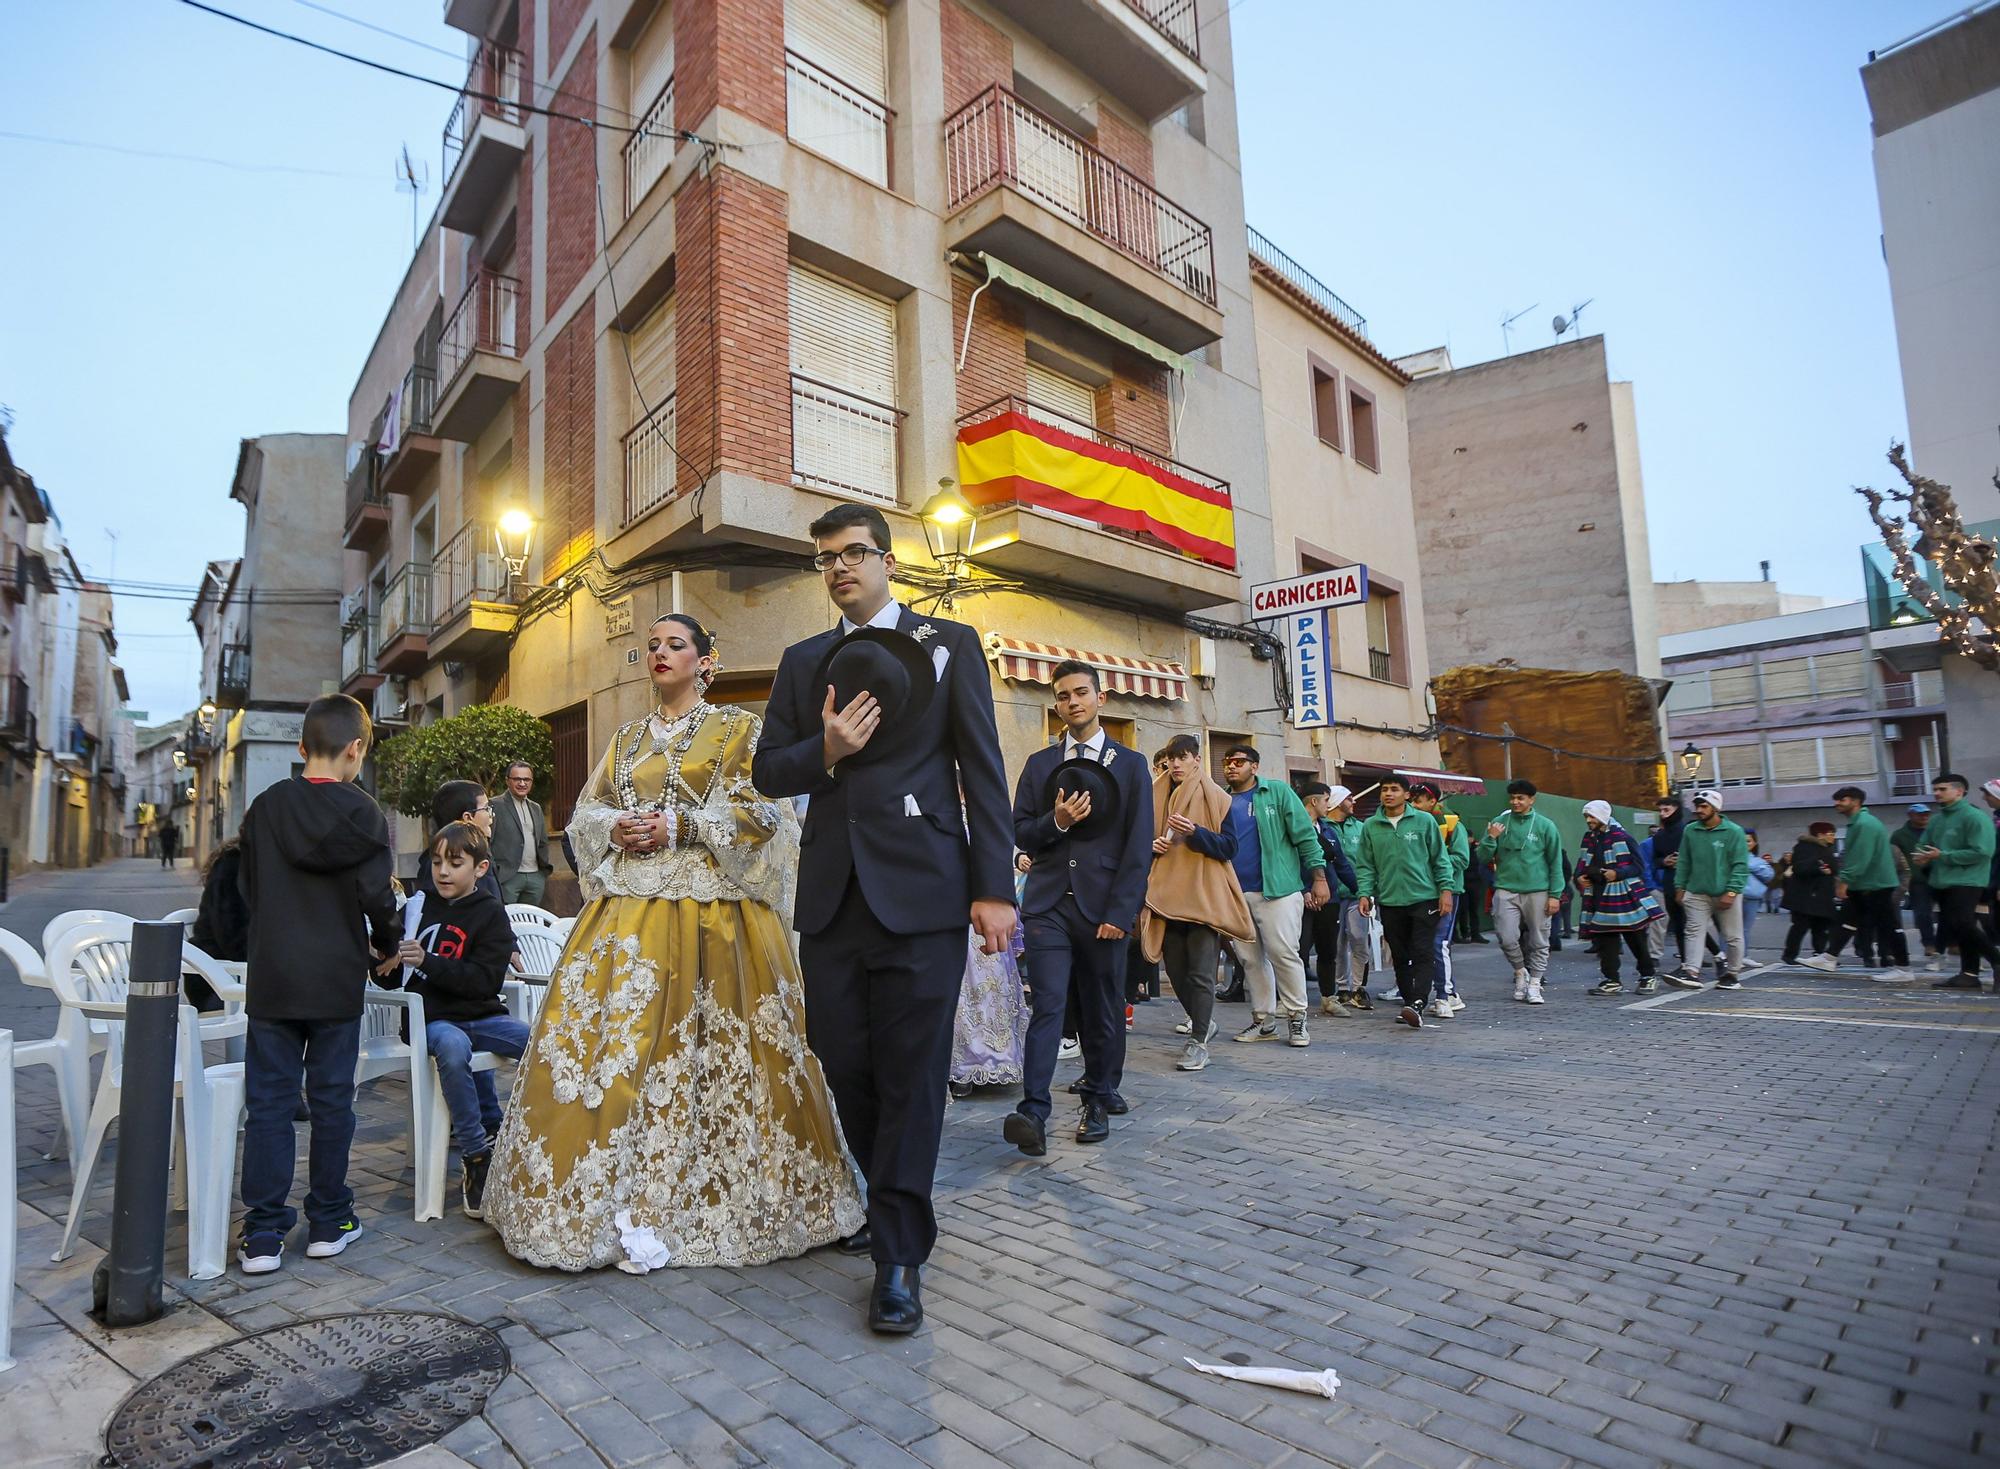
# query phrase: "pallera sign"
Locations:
[[1342, 586]]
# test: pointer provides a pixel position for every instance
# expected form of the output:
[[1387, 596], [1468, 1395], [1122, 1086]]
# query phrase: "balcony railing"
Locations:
[[651, 466], [1909, 783], [1306, 283], [649, 152], [357, 649], [486, 319], [406, 604], [1381, 665], [417, 402], [364, 483], [1174, 19], [835, 120], [842, 441], [468, 569], [997, 139], [232, 684], [493, 88]]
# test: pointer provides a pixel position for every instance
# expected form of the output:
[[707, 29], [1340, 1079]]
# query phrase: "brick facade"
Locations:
[[733, 345], [1135, 404], [563, 18], [572, 223], [1124, 142], [730, 53], [569, 441], [976, 56], [996, 363]]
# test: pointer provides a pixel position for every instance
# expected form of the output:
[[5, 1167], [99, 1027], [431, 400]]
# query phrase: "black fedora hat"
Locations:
[[893, 667], [1084, 774]]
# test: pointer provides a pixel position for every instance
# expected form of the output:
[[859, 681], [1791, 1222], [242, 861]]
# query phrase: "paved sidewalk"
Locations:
[[1751, 1228]]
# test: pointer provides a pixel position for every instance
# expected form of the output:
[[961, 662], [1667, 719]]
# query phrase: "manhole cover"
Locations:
[[337, 1393]]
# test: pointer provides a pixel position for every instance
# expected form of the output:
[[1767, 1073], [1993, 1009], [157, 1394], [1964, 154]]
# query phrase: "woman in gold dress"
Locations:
[[667, 1110]]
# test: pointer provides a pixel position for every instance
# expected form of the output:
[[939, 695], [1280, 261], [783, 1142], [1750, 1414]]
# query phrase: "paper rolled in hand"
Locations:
[[1325, 1384]]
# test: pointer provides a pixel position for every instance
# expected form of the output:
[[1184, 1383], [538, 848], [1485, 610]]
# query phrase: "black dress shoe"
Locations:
[[1957, 982], [1094, 1125], [1025, 1133], [1116, 1105], [897, 1306], [858, 1243]]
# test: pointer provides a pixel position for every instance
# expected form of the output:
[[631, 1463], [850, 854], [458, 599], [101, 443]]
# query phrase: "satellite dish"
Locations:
[[1561, 323]]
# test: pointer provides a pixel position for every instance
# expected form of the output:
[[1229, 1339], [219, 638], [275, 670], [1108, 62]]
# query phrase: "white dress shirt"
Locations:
[[889, 616], [1091, 749]]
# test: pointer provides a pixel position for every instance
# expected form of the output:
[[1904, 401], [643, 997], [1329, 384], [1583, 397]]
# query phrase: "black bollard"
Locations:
[[127, 1285]]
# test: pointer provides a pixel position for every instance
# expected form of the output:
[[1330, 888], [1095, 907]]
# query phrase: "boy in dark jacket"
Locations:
[[315, 877], [456, 958]]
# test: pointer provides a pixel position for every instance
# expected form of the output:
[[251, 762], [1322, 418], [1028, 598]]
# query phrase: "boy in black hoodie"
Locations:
[[456, 958], [315, 876]]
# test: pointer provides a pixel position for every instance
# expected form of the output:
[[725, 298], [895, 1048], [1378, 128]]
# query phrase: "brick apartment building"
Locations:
[[995, 241]]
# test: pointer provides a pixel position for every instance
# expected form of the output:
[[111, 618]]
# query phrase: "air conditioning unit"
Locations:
[[392, 697], [1892, 732]]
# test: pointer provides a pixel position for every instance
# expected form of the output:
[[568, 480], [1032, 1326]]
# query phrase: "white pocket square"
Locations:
[[940, 656]]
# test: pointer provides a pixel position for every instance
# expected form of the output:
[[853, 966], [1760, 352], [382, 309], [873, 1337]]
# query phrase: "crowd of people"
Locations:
[[801, 934]]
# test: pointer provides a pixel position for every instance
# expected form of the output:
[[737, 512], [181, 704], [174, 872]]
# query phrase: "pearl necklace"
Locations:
[[677, 733]]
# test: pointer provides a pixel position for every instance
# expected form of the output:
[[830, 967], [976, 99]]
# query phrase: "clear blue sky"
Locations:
[[1702, 170]]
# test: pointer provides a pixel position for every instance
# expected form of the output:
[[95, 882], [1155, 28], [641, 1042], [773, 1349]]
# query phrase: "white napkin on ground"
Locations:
[[1324, 1383], [644, 1250]]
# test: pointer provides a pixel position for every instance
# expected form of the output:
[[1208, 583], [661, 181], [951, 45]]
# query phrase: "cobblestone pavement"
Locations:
[[1752, 1228]]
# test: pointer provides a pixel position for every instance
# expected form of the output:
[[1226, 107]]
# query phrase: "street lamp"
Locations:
[[1691, 763], [207, 710], [949, 526], [514, 535]]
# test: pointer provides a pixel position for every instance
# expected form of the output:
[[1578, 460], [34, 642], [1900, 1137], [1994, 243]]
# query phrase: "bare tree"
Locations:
[[1970, 625]]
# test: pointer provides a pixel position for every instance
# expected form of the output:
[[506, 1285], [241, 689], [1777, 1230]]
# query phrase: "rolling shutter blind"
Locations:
[[1733, 687], [652, 58], [653, 354], [1068, 398], [1739, 765], [1848, 757], [1841, 673], [1787, 678], [1794, 762], [843, 336], [849, 38]]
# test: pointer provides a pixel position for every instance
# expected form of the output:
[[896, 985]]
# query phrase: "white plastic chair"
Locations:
[[66, 1053], [384, 1052], [520, 913], [7, 1205], [89, 968]]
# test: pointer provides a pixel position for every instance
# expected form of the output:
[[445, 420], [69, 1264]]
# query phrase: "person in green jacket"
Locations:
[[1528, 886], [1958, 864], [1713, 870], [1351, 988], [1282, 871], [1445, 1001], [1401, 869], [1923, 902], [1867, 892]]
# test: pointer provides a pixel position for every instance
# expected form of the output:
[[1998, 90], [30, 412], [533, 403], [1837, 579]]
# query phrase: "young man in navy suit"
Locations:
[[1083, 810], [890, 874]]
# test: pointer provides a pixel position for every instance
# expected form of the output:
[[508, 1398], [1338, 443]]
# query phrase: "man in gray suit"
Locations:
[[520, 839]]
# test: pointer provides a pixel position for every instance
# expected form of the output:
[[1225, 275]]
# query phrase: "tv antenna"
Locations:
[[1507, 327], [1568, 323], [414, 181]]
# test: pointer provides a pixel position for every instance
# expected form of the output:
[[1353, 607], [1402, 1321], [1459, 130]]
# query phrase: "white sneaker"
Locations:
[[1069, 1050], [1534, 992], [1185, 1027], [1194, 1057], [1894, 976], [1825, 963], [1457, 1003], [1439, 1009], [1934, 965], [1520, 984]]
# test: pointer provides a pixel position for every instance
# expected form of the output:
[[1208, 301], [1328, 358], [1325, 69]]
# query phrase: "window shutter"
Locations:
[[1794, 762], [1067, 397], [1848, 757], [849, 38], [653, 355], [652, 58], [1787, 678], [1733, 687], [843, 336], [1739, 765], [1841, 673], [843, 419]]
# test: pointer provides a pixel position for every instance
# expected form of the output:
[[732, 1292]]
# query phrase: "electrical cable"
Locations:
[[162, 154]]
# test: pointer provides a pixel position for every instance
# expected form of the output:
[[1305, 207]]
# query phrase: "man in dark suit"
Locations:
[[521, 839], [890, 874], [1083, 810]]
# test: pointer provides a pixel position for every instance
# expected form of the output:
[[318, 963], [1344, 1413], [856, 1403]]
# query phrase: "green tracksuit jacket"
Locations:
[[1964, 835], [1866, 865], [1527, 855], [1714, 860], [1401, 862]]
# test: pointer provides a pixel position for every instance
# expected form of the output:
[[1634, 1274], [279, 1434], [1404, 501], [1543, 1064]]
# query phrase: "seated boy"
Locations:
[[457, 960], [315, 877]]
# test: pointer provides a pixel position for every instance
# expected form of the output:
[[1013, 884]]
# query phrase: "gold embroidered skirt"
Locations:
[[668, 1079]]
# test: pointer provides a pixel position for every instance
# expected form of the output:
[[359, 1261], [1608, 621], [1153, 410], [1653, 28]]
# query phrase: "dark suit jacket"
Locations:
[[919, 874], [513, 849], [1108, 871]]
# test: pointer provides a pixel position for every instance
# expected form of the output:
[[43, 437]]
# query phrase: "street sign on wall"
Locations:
[[1342, 586], [1312, 694]]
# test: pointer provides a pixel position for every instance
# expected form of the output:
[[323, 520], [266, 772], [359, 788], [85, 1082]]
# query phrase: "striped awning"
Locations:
[[1026, 662]]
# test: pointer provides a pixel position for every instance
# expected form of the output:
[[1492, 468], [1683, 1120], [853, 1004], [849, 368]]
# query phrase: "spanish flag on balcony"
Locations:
[[1012, 457]]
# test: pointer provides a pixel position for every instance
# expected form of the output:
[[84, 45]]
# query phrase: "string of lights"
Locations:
[[1968, 619]]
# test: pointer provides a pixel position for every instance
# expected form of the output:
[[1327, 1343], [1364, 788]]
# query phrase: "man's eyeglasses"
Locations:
[[848, 556], [1235, 760]]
